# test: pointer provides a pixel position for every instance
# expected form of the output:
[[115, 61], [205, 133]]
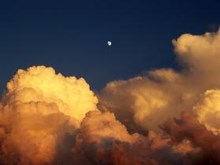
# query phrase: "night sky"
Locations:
[[71, 36]]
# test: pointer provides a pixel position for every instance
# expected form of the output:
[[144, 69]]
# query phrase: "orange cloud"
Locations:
[[46, 118]]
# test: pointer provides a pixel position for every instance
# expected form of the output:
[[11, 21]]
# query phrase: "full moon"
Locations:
[[109, 43]]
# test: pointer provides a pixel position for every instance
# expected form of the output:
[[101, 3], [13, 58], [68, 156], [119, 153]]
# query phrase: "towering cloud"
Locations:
[[37, 110], [147, 101], [165, 117], [72, 96]]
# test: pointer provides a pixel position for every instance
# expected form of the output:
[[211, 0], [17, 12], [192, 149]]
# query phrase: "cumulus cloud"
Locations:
[[198, 53], [49, 119], [147, 101], [104, 140], [208, 110], [43, 122], [188, 127], [42, 84], [37, 110], [144, 100]]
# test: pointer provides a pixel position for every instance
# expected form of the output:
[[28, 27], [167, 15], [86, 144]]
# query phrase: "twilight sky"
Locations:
[[71, 36], [157, 113]]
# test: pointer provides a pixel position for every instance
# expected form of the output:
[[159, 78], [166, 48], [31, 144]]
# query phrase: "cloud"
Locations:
[[37, 110], [208, 110], [104, 140], [147, 101], [189, 128], [42, 122], [164, 117], [42, 84], [144, 100]]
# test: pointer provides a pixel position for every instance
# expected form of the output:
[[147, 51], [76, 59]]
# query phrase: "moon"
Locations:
[[109, 43]]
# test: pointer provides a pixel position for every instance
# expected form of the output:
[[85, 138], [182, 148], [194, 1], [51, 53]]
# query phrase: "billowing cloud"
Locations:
[[208, 110], [37, 110], [199, 53], [72, 96], [104, 140], [208, 144], [144, 100], [43, 122], [165, 117], [149, 100]]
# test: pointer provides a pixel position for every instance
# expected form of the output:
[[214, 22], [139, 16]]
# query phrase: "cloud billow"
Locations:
[[165, 117]]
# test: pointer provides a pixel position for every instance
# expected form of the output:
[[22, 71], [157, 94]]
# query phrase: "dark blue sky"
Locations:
[[72, 36]]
